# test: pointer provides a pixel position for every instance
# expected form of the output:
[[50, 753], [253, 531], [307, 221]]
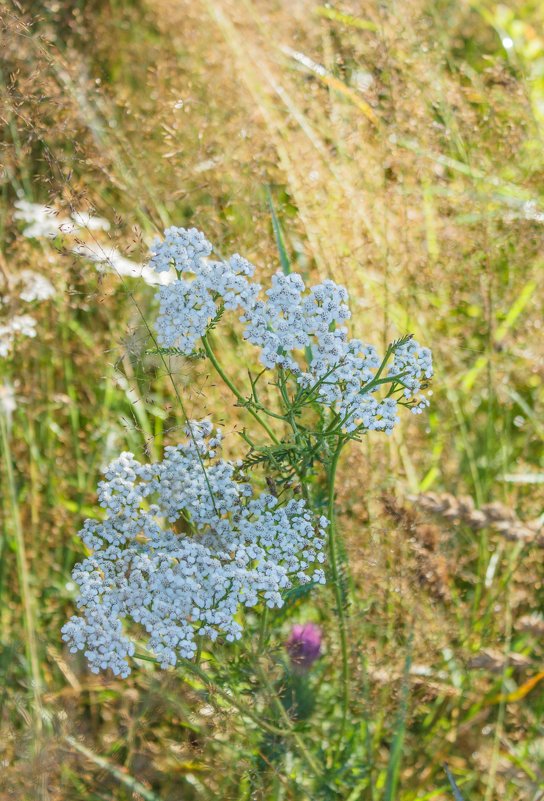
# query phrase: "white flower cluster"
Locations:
[[415, 364], [30, 287], [182, 248], [298, 329], [111, 259], [35, 286], [46, 222], [187, 306], [226, 548], [338, 368], [8, 401], [18, 325]]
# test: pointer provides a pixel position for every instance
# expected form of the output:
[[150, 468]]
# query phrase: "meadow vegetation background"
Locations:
[[402, 146]]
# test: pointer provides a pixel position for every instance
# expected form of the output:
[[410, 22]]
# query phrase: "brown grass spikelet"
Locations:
[[494, 515], [495, 661], [532, 624]]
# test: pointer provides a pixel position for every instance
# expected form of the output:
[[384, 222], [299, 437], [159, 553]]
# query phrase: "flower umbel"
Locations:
[[18, 325], [297, 329], [227, 548]]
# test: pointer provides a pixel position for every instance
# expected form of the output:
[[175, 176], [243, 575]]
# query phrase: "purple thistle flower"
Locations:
[[304, 645]]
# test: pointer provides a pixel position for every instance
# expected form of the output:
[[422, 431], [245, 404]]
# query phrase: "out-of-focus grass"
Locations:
[[402, 146]]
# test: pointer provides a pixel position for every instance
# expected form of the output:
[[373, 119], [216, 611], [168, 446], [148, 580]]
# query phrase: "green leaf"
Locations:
[[197, 354]]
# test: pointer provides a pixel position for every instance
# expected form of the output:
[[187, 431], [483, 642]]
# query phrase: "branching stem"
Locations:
[[224, 377]]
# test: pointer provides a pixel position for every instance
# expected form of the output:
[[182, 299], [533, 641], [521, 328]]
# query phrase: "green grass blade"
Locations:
[[456, 791], [395, 758], [124, 778], [24, 575], [278, 234], [345, 19]]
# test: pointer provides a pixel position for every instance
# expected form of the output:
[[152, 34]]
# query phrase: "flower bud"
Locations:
[[304, 645]]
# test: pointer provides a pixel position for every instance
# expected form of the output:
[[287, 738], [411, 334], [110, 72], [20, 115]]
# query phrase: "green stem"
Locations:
[[289, 408], [24, 585], [230, 699], [263, 630], [212, 357], [333, 556], [124, 778], [381, 368], [308, 757]]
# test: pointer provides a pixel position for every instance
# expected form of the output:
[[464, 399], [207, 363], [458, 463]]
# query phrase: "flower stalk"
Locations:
[[337, 585]]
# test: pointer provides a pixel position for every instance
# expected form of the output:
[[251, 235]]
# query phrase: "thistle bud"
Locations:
[[304, 646]]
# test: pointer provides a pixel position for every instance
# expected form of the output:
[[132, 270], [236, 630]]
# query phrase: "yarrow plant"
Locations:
[[189, 541]]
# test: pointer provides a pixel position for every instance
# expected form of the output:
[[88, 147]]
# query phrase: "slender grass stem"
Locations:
[[29, 613], [263, 629]]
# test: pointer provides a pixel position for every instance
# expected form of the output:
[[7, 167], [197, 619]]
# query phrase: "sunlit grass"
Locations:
[[402, 150]]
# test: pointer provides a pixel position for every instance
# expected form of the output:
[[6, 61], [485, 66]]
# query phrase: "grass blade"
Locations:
[[456, 791], [124, 778], [393, 768], [278, 235], [345, 19]]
